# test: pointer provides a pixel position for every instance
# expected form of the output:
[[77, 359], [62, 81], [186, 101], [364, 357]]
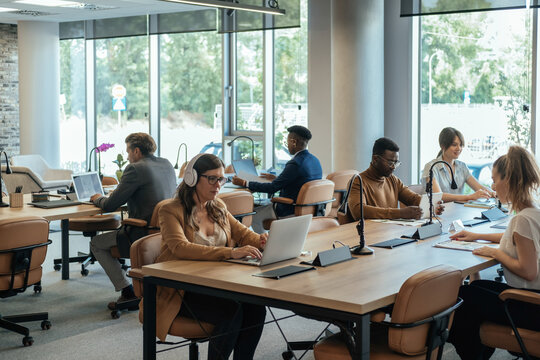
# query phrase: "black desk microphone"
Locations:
[[361, 248], [8, 171]]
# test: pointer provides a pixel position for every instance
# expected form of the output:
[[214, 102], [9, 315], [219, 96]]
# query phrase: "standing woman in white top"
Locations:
[[451, 142], [516, 179]]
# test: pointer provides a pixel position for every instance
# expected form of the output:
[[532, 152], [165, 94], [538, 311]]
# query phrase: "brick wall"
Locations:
[[9, 90]]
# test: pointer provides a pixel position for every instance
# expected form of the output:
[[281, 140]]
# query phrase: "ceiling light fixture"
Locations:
[[233, 5], [47, 2], [3, 9]]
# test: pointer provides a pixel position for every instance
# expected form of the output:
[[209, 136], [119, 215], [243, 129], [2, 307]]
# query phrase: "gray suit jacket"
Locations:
[[142, 186]]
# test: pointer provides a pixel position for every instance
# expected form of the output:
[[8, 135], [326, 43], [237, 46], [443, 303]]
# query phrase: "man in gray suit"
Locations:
[[146, 181]]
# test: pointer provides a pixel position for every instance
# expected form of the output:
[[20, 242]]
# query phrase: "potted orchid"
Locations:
[[120, 162], [99, 149]]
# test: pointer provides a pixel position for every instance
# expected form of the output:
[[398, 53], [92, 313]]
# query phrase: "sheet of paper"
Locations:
[[404, 222], [464, 245]]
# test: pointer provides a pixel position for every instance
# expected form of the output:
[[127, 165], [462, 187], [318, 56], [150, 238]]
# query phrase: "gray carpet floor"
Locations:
[[82, 326]]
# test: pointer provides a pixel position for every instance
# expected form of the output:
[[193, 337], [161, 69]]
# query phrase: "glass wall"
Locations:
[[476, 77], [72, 105], [290, 84], [120, 61], [190, 94]]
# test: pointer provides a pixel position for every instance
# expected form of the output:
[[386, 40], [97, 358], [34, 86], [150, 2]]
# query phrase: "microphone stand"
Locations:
[[178, 154], [252, 145], [361, 248], [8, 171], [430, 229]]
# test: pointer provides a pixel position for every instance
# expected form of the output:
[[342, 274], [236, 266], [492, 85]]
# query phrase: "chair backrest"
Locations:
[[313, 192], [341, 180], [154, 220], [34, 162], [27, 238], [422, 295], [239, 204], [108, 180], [144, 252], [182, 169], [321, 223]]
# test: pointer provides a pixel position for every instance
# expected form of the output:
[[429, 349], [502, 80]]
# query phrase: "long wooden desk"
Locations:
[[63, 214], [346, 292]]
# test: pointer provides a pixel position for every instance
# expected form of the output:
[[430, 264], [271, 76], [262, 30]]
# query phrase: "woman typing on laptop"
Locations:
[[195, 225]]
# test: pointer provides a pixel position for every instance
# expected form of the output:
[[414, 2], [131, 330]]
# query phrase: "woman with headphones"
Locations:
[[195, 225]]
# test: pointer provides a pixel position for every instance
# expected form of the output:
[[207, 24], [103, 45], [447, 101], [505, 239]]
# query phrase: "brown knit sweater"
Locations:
[[381, 196]]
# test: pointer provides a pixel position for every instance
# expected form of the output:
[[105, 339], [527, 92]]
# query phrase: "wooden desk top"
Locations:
[[358, 286], [66, 212]]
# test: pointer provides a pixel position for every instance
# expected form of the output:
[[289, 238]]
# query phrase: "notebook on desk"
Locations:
[[51, 204], [86, 185], [285, 241]]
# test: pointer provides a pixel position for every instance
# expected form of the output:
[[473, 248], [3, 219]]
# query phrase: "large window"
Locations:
[[290, 84], [120, 61], [190, 94], [72, 105], [476, 77]]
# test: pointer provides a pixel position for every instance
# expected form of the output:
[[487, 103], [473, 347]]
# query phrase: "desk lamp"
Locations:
[[252, 145], [8, 171], [434, 229], [178, 154], [361, 248]]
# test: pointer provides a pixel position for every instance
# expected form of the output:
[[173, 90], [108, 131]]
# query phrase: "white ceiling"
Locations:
[[111, 9]]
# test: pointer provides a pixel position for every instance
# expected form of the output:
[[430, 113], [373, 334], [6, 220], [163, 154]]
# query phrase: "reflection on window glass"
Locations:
[[124, 62], [72, 105], [476, 76], [191, 105], [249, 81], [242, 149], [290, 84]]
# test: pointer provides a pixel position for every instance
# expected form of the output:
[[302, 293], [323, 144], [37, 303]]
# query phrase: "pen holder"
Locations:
[[16, 200]]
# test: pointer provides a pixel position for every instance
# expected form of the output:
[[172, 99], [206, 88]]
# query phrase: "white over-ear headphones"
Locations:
[[190, 174]]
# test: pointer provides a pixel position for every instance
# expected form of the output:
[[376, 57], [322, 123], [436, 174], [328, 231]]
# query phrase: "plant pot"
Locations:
[[119, 174]]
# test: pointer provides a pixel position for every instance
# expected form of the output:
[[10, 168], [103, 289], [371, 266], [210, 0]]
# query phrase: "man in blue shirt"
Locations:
[[303, 167]]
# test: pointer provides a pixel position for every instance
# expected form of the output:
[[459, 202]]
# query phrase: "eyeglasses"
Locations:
[[391, 163], [212, 180]]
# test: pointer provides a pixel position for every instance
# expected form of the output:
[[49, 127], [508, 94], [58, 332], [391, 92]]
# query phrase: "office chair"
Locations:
[[151, 228], [315, 197], [22, 252], [240, 205], [518, 341], [420, 320], [90, 226], [340, 179], [322, 223], [145, 252]]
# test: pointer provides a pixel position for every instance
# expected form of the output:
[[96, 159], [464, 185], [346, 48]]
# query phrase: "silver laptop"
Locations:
[[245, 169], [285, 241], [86, 185]]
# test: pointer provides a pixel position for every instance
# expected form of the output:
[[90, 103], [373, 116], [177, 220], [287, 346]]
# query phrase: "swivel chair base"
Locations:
[[11, 323]]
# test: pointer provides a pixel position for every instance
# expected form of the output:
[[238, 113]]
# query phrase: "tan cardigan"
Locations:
[[177, 244], [381, 195]]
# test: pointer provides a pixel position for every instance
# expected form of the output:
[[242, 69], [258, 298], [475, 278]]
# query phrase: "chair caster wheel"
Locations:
[[57, 267], [27, 341], [45, 325], [85, 272], [37, 288], [115, 314], [287, 355]]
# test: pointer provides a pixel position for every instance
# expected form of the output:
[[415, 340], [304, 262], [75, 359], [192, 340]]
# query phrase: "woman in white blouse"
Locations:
[[451, 142], [516, 179]]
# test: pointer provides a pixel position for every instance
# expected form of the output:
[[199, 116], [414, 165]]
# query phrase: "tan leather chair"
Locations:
[[90, 226], [22, 252], [315, 197], [144, 252], [420, 320], [151, 228], [520, 342], [240, 205], [341, 180], [322, 223]]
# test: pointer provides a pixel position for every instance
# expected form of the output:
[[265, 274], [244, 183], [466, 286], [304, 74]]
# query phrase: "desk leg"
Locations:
[[65, 248], [149, 324], [362, 337]]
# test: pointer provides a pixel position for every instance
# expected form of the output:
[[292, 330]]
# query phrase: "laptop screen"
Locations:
[[244, 166], [86, 185]]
